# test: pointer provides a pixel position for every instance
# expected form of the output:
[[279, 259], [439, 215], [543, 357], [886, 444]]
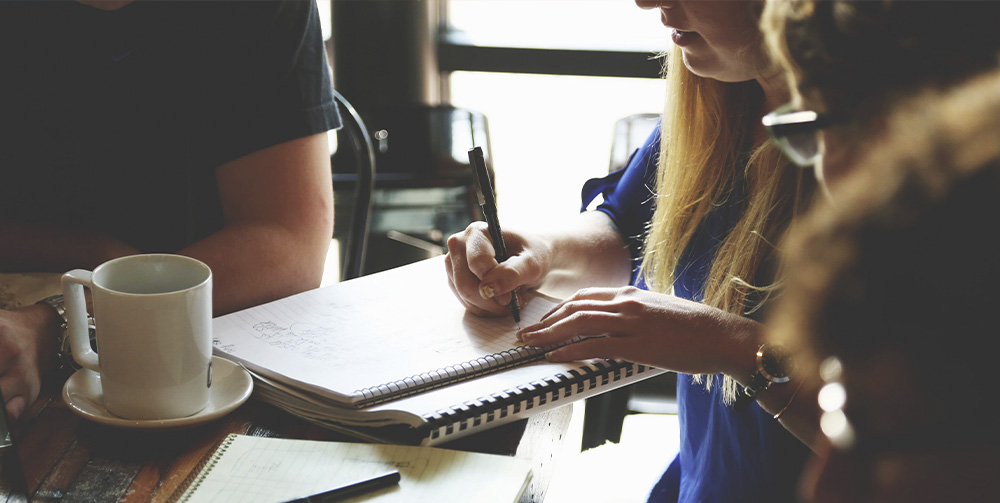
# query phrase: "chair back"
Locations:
[[630, 133], [362, 154]]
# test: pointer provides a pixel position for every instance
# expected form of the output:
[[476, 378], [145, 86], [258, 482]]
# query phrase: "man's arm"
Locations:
[[278, 222], [44, 248], [277, 207]]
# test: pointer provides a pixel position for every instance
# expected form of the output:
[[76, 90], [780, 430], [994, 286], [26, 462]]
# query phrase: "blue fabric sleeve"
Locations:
[[628, 195]]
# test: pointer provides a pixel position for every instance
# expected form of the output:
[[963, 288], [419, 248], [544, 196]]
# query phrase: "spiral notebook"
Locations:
[[249, 469], [394, 357]]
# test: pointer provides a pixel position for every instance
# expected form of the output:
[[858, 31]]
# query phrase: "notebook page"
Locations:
[[366, 332], [267, 470]]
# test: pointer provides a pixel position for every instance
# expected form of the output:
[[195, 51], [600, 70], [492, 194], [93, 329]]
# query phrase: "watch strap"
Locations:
[[757, 384], [58, 303], [64, 352]]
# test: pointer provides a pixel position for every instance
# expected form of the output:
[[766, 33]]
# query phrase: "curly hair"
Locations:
[[906, 262], [858, 57]]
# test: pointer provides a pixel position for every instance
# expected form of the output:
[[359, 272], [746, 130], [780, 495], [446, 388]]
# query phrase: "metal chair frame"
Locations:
[[364, 186]]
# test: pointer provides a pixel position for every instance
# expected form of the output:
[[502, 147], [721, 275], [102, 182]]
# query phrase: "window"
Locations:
[[607, 25], [550, 133]]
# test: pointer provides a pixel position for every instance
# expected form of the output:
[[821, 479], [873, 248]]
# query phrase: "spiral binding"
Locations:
[[449, 375], [190, 484], [512, 401]]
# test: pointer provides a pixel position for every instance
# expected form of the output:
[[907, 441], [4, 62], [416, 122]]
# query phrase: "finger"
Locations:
[[585, 323], [568, 308], [15, 390], [503, 279], [464, 283], [497, 280], [559, 312], [472, 308], [479, 251], [585, 294], [595, 293], [600, 347], [15, 407], [447, 270]]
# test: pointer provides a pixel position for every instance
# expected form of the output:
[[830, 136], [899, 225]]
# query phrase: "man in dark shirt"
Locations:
[[196, 128]]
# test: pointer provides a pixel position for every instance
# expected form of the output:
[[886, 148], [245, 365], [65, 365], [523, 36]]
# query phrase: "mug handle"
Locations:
[[76, 317]]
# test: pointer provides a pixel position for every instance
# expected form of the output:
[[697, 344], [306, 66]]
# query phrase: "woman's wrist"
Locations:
[[740, 359]]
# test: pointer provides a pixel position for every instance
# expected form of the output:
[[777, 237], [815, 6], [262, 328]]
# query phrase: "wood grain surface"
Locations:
[[68, 459]]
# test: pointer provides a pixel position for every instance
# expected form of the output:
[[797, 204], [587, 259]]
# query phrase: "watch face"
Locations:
[[775, 362]]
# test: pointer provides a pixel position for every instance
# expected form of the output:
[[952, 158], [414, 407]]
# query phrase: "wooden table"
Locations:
[[68, 459]]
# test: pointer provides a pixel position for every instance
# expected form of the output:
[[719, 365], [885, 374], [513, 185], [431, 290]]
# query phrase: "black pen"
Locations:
[[488, 202], [349, 491]]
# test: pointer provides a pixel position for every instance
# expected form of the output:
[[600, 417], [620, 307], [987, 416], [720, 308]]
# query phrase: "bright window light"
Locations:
[[559, 24], [551, 133]]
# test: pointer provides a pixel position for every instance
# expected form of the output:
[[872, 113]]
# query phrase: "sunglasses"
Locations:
[[795, 132]]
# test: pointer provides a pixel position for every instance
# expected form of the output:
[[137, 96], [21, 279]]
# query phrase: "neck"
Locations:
[[775, 91], [775, 95]]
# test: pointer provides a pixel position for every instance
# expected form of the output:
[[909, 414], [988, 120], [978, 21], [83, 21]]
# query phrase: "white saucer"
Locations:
[[231, 386]]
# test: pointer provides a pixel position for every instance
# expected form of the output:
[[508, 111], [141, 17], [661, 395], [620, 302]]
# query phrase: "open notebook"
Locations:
[[397, 349], [248, 469]]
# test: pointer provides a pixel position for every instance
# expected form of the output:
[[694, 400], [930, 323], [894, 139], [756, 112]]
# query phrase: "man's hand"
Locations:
[[27, 354]]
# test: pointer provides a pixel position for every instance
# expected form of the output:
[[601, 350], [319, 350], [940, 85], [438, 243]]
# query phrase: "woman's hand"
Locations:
[[481, 284], [582, 251], [646, 327]]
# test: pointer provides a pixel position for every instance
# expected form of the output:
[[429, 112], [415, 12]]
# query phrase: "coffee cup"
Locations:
[[153, 319]]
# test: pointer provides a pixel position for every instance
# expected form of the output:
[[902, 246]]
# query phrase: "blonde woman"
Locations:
[[723, 196]]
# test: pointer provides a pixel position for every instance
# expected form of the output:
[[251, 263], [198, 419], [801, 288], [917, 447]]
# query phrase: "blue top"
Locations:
[[725, 456]]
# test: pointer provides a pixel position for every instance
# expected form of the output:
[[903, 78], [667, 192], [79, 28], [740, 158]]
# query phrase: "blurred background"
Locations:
[[547, 79]]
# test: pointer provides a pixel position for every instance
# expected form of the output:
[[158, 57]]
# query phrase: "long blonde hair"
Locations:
[[708, 128]]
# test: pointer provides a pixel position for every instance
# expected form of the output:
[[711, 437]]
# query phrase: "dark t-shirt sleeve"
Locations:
[[628, 195], [116, 121], [287, 91]]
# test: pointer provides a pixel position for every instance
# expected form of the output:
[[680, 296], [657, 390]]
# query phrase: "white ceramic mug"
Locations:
[[153, 315]]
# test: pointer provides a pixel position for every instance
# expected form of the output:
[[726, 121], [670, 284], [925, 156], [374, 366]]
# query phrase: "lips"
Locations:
[[683, 38]]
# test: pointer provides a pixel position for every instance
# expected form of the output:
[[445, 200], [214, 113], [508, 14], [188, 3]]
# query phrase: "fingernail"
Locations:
[[486, 291], [522, 336]]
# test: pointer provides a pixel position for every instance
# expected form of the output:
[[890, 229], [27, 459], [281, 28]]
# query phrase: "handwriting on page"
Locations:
[[312, 340], [326, 336]]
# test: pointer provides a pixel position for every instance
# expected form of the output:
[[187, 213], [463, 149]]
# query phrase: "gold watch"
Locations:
[[774, 366]]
